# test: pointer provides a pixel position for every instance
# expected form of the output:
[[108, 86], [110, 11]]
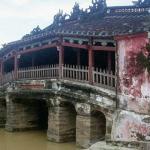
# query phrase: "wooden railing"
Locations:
[[40, 72], [77, 73], [69, 72], [104, 78]]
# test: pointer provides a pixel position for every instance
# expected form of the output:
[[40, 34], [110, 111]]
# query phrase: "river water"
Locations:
[[32, 140]]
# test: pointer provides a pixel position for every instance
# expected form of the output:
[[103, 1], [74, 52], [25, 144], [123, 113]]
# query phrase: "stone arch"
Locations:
[[98, 126], [108, 113], [29, 113]]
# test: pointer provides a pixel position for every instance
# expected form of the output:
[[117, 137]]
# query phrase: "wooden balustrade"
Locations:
[[39, 72], [69, 72], [77, 73], [104, 78]]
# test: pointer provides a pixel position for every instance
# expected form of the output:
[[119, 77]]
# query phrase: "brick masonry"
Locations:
[[61, 124]]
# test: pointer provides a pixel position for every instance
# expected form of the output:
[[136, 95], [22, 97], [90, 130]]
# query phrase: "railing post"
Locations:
[[1, 71], [90, 62], [60, 48]]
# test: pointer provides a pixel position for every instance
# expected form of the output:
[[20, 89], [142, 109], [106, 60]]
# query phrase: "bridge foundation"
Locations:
[[22, 115], [90, 126], [62, 123]]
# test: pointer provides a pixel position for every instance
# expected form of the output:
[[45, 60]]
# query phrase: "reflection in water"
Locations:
[[32, 140]]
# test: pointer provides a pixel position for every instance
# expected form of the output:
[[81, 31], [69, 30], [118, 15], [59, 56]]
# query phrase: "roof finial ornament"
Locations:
[[142, 3]]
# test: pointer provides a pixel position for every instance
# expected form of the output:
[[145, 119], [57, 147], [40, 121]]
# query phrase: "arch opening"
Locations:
[[98, 126]]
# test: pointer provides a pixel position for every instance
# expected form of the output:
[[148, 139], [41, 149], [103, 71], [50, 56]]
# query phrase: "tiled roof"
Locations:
[[115, 21]]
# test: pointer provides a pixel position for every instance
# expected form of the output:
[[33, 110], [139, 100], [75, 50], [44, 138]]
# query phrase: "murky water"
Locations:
[[32, 140]]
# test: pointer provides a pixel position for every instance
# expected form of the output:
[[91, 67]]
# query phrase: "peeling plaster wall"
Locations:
[[129, 126], [134, 82], [132, 121]]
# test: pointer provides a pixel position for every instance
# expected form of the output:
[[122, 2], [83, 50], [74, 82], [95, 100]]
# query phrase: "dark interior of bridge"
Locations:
[[71, 57], [42, 115], [98, 129]]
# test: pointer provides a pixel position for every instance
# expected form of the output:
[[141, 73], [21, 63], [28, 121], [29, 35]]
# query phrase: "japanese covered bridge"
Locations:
[[82, 77]]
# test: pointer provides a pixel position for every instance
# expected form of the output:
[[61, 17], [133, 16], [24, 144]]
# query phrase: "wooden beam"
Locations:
[[104, 48], [37, 48], [74, 45], [90, 62]]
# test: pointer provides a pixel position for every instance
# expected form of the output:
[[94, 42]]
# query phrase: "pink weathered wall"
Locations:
[[129, 126], [134, 81], [131, 121]]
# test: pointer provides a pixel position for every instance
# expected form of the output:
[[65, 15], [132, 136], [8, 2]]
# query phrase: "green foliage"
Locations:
[[144, 60]]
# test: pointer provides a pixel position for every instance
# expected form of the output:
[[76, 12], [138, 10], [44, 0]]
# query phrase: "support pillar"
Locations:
[[20, 116], [60, 48], [1, 70], [90, 63], [15, 66], [90, 128], [61, 123]]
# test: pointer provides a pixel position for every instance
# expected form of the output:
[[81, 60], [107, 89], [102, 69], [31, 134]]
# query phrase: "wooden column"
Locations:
[[60, 48], [109, 62], [90, 62], [78, 57], [15, 66], [1, 70]]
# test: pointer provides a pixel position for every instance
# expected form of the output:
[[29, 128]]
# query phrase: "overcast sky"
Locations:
[[19, 17]]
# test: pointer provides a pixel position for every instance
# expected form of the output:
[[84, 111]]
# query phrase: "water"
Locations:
[[32, 140]]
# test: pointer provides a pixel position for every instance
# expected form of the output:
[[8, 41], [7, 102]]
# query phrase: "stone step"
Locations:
[[104, 146]]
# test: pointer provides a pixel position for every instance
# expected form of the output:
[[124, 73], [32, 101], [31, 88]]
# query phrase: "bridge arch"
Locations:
[[98, 123]]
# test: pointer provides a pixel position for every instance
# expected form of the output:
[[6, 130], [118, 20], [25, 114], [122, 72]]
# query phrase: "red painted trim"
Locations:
[[90, 62], [37, 48], [4, 60], [1, 69], [121, 37], [15, 66], [103, 48], [74, 45], [61, 60]]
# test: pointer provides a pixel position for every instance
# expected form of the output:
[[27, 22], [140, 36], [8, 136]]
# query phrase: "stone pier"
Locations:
[[90, 126], [21, 115], [62, 123]]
